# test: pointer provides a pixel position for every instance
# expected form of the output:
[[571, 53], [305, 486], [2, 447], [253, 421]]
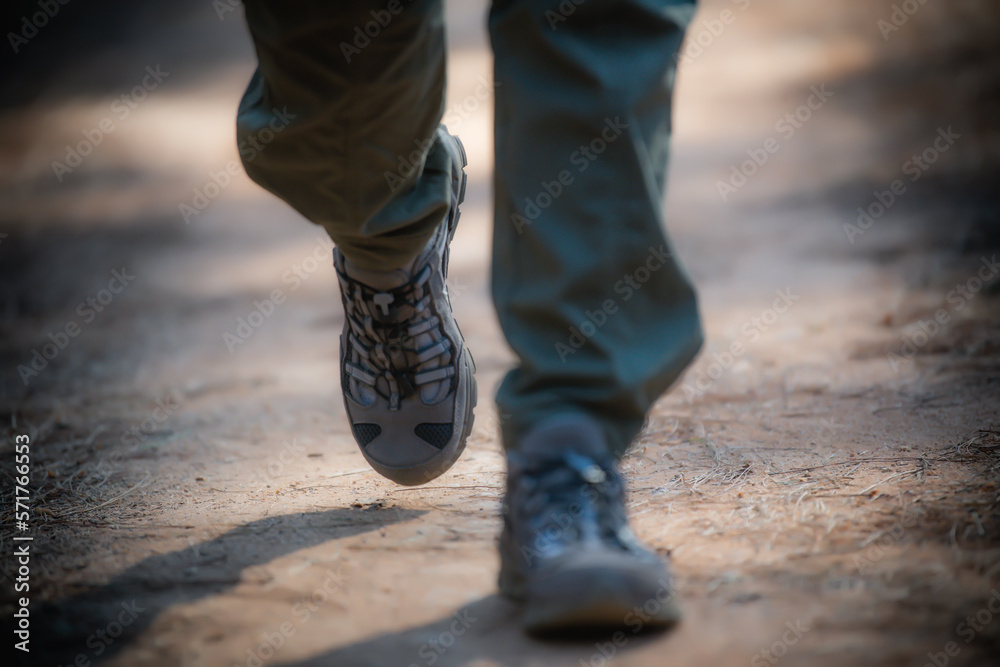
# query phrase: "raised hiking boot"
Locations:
[[407, 377], [566, 550]]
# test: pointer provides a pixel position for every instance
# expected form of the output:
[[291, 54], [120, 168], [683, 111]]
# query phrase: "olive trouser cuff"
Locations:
[[600, 313]]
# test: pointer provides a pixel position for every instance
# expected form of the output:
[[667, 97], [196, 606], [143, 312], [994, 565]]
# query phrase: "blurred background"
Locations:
[[196, 502]]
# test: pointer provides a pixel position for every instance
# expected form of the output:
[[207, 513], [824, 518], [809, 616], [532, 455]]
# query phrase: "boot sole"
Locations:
[[598, 599], [600, 592]]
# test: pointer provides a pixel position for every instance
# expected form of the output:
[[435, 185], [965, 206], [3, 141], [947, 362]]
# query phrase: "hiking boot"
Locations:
[[407, 377], [566, 550]]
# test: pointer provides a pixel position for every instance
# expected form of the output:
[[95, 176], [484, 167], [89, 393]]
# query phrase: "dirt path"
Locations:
[[825, 477]]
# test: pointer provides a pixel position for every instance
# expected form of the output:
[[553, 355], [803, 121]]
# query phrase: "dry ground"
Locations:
[[837, 475]]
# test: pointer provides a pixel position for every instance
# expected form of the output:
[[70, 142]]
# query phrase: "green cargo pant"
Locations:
[[339, 121]]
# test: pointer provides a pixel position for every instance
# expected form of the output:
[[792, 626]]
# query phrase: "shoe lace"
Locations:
[[573, 496], [384, 327]]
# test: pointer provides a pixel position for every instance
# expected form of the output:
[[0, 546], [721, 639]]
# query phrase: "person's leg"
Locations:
[[600, 314], [341, 120], [590, 297]]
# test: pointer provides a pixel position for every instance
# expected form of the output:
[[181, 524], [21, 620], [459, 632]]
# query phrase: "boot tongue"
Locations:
[[572, 434], [379, 280]]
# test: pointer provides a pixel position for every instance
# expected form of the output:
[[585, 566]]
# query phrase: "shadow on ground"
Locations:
[[133, 600]]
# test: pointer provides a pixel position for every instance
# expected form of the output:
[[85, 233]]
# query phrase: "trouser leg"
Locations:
[[340, 117], [601, 315]]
